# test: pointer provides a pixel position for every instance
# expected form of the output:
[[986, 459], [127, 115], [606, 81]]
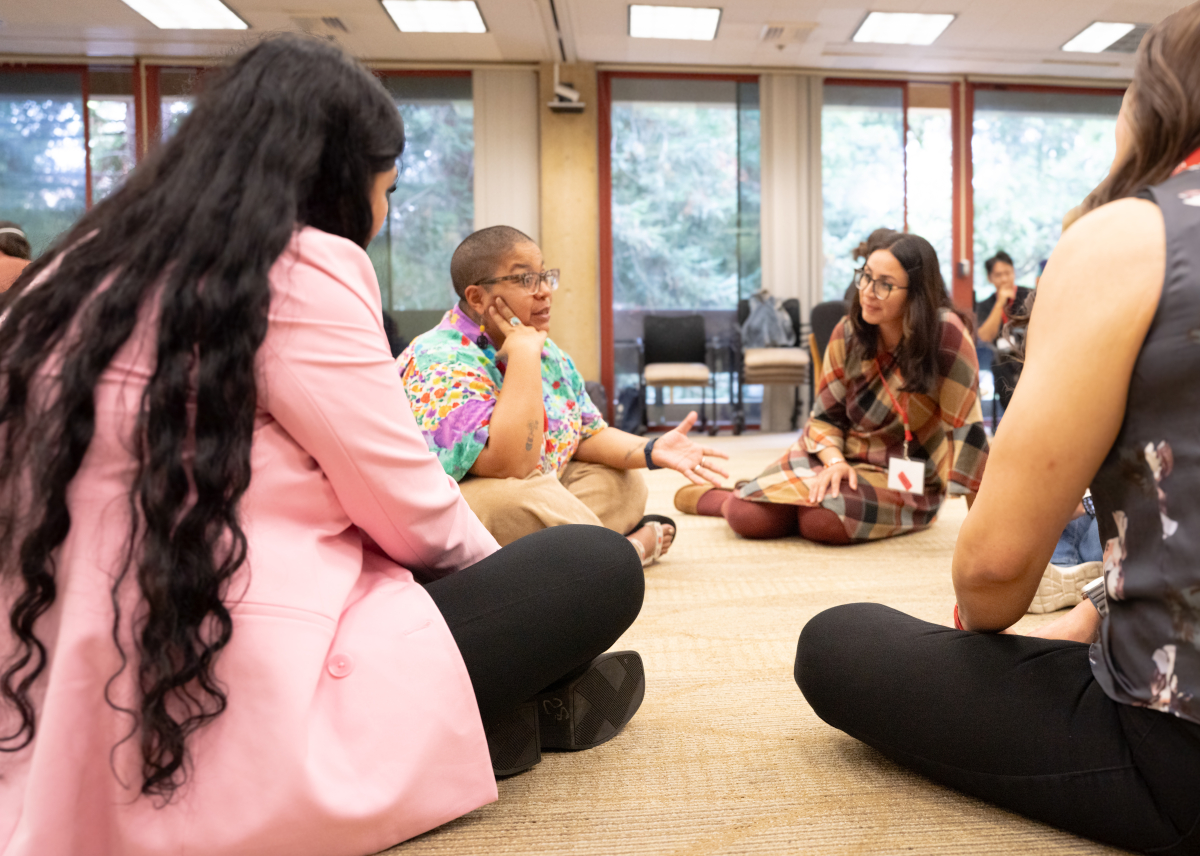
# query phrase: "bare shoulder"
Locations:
[[1108, 270]]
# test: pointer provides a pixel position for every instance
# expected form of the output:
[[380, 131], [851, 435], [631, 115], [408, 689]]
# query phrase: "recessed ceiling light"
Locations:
[[1097, 37], [187, 14], [673, 22], [902, 28], [436, 16]]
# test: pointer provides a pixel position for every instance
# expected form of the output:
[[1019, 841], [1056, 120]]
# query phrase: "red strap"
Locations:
[[1192, 162], [957, 621], [903, 411]]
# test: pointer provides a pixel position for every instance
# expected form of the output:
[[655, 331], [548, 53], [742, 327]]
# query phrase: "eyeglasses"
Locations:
[[531, 282], [882, 290]]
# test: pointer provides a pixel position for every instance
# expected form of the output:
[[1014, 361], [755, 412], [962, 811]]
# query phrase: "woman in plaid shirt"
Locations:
[[901, 364]]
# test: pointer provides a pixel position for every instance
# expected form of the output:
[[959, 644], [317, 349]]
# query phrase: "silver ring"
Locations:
[[515, 321]]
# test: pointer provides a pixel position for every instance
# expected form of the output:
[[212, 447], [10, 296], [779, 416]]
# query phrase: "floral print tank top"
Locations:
[[1146, 490]]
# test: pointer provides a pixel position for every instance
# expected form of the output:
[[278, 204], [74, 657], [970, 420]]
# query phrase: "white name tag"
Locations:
[[908, 476]]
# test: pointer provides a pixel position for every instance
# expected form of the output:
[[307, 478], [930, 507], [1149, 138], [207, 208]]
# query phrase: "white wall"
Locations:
[[507, 157]]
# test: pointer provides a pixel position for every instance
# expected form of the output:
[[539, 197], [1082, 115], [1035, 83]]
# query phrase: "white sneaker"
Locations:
[[1062, 587]]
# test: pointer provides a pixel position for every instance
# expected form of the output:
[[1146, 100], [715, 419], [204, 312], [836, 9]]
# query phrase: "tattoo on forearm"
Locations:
[[529, 439]]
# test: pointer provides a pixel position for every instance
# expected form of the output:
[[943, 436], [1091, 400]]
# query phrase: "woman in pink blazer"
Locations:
[[249, 612]]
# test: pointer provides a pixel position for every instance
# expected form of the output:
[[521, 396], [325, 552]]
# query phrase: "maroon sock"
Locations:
[[712, 503]]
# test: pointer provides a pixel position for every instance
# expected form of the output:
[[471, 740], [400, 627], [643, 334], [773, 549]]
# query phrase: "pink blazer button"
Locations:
[[340, 665]]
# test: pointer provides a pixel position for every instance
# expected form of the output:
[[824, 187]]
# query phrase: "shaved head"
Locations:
[[480, 255]]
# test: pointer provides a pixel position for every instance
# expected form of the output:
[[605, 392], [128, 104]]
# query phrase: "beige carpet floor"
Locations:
[[725, 756]]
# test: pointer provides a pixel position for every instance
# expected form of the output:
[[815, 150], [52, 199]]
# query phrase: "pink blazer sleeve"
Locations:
[[328, 377]]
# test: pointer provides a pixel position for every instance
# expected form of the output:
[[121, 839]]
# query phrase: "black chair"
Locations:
[[673, 351], [824, 317], [787, 366]]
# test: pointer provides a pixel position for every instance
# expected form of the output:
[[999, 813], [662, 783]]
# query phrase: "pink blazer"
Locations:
[[351, 722]]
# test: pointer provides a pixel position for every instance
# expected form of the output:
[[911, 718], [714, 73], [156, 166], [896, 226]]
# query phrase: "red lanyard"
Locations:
[[899, 407], [1192, 162]]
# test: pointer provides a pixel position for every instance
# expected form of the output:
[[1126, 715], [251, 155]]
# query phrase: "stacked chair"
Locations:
[[787, 366]]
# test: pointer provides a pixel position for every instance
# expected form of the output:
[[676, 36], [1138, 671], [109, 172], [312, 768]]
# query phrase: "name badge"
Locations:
[[908, 476]]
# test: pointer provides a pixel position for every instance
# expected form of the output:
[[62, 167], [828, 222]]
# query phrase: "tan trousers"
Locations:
[[586, 493]]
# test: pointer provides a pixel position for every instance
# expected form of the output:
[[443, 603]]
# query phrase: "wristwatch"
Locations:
[[1098, 595], [1088, 505], [650, 465]]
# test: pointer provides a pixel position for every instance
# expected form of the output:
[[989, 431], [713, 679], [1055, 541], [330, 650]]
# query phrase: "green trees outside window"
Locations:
[[862, 173], [685, 194], [42, 168], [433, 207], [1036, 156]]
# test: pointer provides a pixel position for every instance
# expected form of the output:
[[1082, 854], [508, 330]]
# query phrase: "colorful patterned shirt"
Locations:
[[453, 383]]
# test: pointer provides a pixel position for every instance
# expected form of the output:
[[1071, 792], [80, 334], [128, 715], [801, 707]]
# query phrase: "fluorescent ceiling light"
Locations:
[[1097, 37], [902, 28], [436, 16], [187, 14], [673, 22]]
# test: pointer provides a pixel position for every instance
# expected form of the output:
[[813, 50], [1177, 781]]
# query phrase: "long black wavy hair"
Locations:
[[927, 297], [293, 132]]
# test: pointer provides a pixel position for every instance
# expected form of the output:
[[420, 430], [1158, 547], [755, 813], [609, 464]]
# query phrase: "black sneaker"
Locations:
[[578, 713], [592, 708], [513, 741]]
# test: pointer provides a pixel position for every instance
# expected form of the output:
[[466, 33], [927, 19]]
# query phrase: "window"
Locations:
[[886, 161], [686, 192], [112, 132], [433, 207], [1036, 155], [175, 93], [930, 167], [862, 173], [43, 174]]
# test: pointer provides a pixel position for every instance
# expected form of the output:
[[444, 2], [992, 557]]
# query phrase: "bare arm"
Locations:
[[514, 446], [990, 328], [623, 451], [1094, 308]]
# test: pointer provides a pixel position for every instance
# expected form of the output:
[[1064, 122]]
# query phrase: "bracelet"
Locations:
[[835, 461], [650, 465]]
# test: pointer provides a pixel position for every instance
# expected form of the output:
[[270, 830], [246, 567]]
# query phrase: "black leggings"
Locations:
[[1014, 720], [539, 609]]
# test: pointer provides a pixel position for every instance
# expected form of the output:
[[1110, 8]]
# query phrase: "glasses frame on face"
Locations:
[[861, 276], [531, 282]]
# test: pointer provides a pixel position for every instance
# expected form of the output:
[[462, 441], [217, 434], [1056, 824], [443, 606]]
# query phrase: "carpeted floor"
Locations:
[[725, 756]]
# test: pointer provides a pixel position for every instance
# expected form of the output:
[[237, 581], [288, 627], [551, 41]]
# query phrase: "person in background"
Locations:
[[881, 237], [509, 416], [15, 252], [248, 611], [899, 389], [1092, 722], [992, 315]]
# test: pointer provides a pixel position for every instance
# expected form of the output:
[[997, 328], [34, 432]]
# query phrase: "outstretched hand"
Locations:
[[698, 463]]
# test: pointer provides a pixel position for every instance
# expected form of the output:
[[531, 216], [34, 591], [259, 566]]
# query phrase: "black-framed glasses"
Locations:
[[531, 282], [881, 289]]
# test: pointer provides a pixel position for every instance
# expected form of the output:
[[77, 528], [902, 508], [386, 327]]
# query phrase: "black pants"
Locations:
[[1017, 721], [539, 609]]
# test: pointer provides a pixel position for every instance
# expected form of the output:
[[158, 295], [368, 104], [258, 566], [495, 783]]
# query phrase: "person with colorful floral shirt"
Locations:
[[507, 414]]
